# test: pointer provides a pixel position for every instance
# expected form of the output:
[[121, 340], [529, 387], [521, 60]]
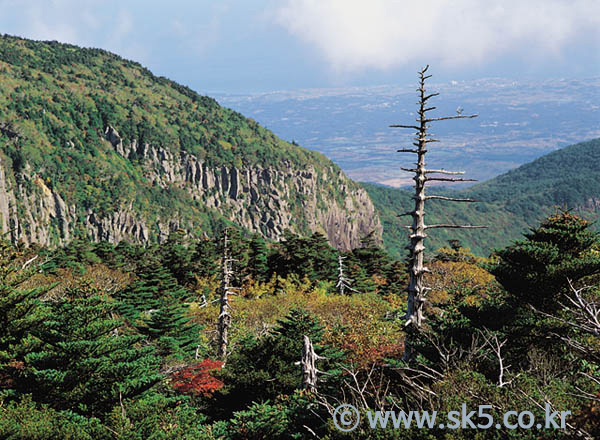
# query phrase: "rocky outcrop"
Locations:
[[266, 200], [38, 213], [591, 204], [8, 205]]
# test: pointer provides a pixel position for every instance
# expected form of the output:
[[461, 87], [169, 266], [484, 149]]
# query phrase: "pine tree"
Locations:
[[537, 270], [373, 261], [21, 311], [141, 295], [362, 281], [275, 361], [177, 256], [372, 257], [310, 257], [171, 330], [155, 306], [78, 359], [258, 259], [206, 258], [155, 283]]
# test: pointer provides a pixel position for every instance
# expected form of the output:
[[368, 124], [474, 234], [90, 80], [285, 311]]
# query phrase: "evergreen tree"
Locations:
[[107, 253], [155, 284], [79, 360], [177, 256], [363, 281], [371, 257], [206, 258], [372, 269], [154, 305], [141, 295], [274, 359], [536, 270], [133, 255], [77, 255], [20, 312], [258, 259], [171, 331], [310, 257], [240, 253]]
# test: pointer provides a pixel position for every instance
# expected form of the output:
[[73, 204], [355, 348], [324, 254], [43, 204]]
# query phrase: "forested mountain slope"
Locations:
[[567, 178], [93, 145]]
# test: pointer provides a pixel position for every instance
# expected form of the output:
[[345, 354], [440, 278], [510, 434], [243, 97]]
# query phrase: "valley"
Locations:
[[519, 121]]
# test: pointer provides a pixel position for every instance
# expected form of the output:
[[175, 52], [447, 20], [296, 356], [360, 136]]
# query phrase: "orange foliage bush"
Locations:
[[363, 356], [449, 278], [197, 379], [352, 322]]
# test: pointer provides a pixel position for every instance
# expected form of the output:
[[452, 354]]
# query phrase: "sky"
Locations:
[[247, 46]]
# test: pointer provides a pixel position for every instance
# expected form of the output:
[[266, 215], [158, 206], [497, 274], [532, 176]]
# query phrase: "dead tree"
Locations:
[[491, 340], [309, 368], [582, 314], [585, 311], [344, 283], [418, 230], [225, 291]]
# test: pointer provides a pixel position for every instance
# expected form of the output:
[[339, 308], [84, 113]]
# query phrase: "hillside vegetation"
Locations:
[[93, 145], [568, 178], [202, 332], [121, 342]]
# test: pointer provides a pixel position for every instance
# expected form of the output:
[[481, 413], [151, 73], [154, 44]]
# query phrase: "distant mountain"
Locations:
[[510, 203], [93, 145]]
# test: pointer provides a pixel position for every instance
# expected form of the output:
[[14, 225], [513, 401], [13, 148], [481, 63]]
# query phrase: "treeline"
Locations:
[[104, 342]]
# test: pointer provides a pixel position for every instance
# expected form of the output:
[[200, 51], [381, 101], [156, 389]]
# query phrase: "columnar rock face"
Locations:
[[265, 200]]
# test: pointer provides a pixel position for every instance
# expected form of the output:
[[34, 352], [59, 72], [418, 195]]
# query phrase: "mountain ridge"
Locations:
[[97, 146], [510, 204]]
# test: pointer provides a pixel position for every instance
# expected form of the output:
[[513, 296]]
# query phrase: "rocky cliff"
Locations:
[[97, 146], [266, 200]]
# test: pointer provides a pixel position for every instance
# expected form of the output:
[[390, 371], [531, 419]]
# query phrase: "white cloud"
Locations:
[[85, 23], [358, 34]]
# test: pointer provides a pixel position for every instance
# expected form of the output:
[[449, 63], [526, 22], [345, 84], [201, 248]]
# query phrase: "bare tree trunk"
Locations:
[[309, 369], [225, 289], [344, 283], [416, 288]]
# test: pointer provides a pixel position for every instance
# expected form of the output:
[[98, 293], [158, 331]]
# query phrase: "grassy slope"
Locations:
[[511, 202]]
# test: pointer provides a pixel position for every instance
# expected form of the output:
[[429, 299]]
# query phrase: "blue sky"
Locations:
[[242, 46]]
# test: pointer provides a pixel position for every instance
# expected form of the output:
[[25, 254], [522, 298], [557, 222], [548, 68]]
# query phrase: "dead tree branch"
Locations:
[[344, 283], [309, 369]]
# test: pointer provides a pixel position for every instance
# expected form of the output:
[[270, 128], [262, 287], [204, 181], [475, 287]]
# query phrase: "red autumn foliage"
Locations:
[[197, 379], [364, 356], [6, 381]]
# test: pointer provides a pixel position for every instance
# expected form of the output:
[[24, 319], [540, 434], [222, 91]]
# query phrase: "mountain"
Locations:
[[95, 145], [510, 203]]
